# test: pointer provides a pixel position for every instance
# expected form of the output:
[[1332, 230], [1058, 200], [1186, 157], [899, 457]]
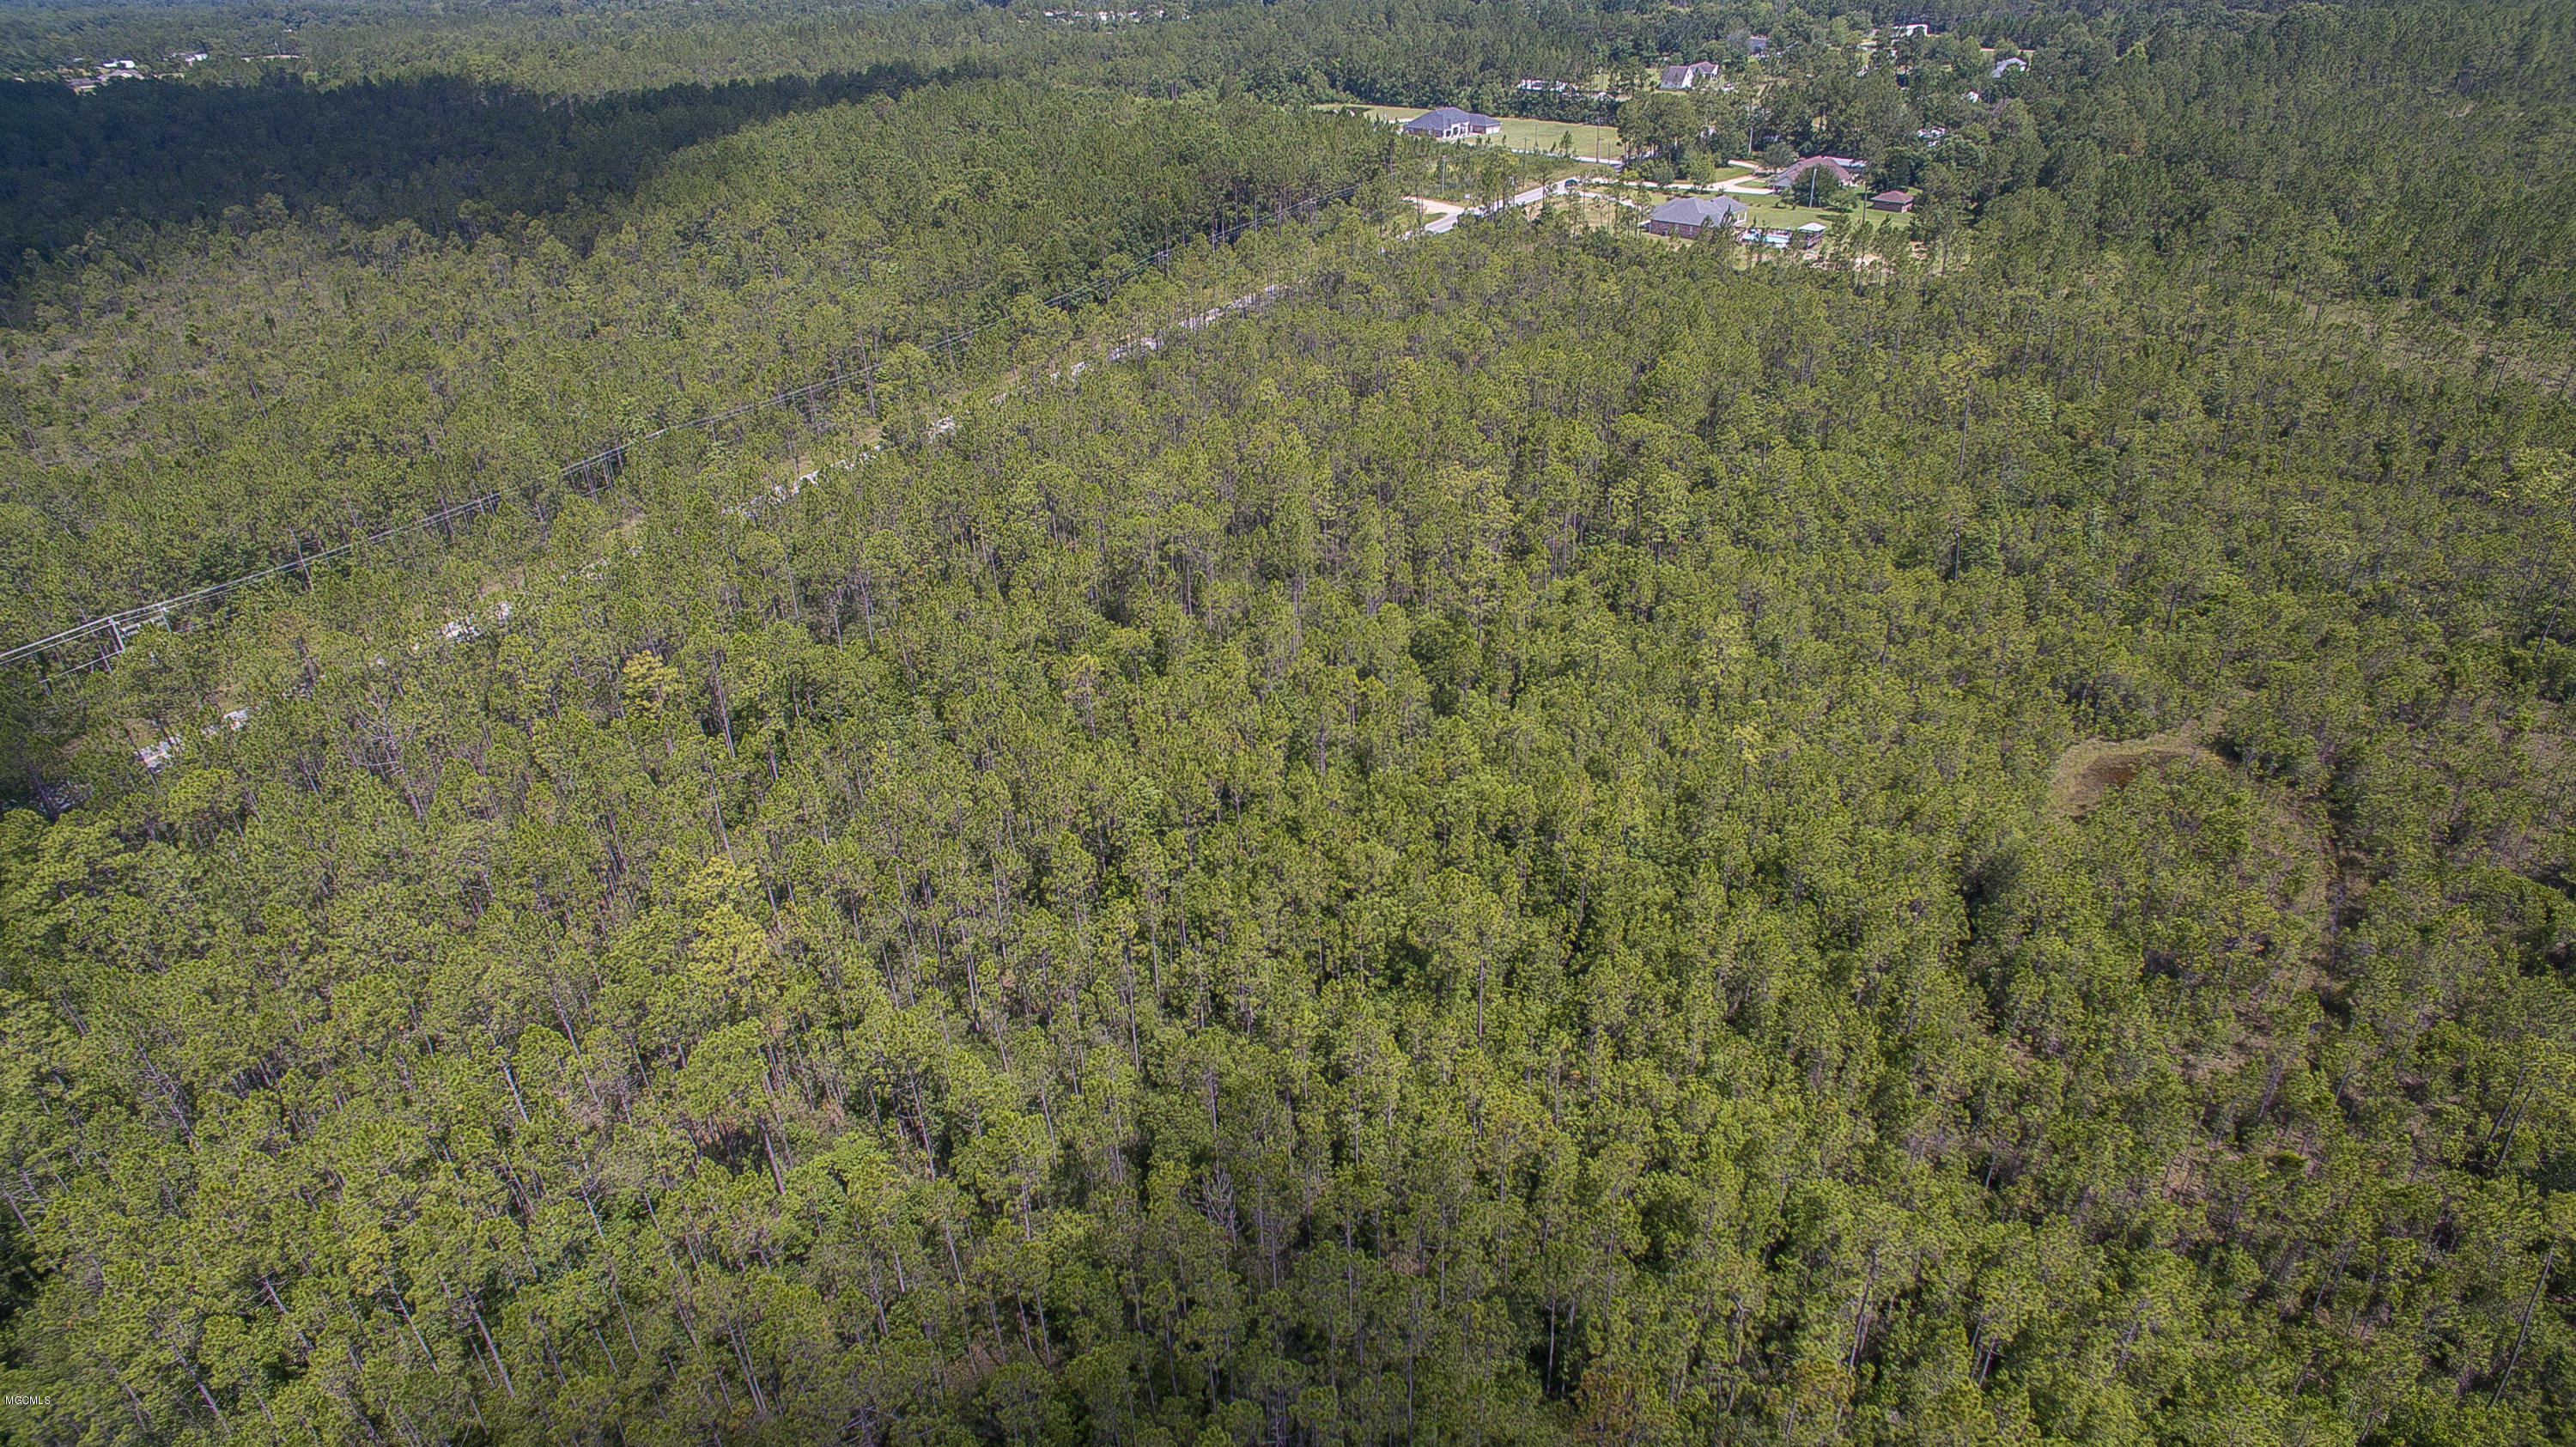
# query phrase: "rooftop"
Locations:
[[1700, 211], [1445, 117]]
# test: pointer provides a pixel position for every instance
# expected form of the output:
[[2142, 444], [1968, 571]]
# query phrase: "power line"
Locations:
[[105, 637], [950, 342], [113, 629]]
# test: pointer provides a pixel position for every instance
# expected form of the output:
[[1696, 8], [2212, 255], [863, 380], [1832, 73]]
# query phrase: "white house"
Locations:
[[1448, 123]]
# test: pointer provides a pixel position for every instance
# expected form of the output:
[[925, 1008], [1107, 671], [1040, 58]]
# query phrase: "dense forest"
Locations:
[[1531, 834], [437, 153], [310, 374]]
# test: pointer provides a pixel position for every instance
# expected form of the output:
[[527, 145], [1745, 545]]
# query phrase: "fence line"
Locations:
[[107, 634]]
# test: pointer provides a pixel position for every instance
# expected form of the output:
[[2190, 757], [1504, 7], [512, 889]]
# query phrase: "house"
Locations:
[[1691, 216], [1931, 135], [1843, 169], [1811, 235], [1899, 202], [1448, 123], [1757, 45], [1908, 32], [1557, 86], [2009, 62], [1684, 77]]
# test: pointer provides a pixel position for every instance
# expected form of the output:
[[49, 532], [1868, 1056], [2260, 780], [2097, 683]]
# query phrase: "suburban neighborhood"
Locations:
[[1692, 147]]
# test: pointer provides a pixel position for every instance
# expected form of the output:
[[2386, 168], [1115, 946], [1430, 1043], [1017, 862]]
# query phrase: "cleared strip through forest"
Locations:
[[102, 638]]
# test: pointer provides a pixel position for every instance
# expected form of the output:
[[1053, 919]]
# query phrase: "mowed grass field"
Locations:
[[1591, 143], [1790, 218]]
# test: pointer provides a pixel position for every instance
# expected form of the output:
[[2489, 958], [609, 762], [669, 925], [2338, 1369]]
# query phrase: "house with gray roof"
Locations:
[[1691, 216], [1448, 123]]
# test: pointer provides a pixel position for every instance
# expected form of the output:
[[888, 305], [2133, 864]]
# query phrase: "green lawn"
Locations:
[[1779, 213], [1789, 218], [1598, 143]]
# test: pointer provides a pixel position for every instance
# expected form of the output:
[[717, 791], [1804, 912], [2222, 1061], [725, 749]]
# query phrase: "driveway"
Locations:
[[1531, 197], [1443, 214]]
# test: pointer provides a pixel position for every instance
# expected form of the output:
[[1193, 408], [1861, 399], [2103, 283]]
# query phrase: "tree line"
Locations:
[[444, 154]]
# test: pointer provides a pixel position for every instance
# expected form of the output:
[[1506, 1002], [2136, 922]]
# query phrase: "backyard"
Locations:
[[1779, 216]]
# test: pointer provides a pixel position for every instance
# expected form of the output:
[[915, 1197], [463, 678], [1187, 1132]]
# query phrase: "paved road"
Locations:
[[1443, 214], [1535, 194]]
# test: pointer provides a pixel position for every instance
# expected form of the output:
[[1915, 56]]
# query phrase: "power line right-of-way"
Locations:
[[102, 638]]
